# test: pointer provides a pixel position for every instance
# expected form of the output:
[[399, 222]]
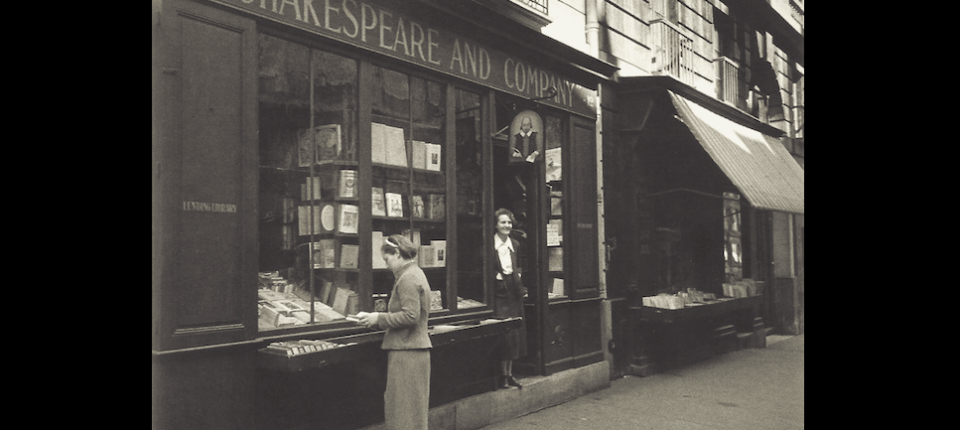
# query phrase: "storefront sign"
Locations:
[[209, 207], [377, 28]]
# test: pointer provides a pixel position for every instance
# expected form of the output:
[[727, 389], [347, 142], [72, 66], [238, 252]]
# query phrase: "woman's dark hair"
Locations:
[[397, 244], [504, 211]]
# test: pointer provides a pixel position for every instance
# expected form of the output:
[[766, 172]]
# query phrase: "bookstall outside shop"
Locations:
[[291, 137], [700, 182]]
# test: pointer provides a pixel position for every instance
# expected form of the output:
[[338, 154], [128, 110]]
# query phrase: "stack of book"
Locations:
[[292, 348], [664, 301], [743, 288], [463, 303]]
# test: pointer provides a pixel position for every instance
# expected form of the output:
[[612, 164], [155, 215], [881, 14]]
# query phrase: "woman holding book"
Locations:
[[407, 396], [508, 297]]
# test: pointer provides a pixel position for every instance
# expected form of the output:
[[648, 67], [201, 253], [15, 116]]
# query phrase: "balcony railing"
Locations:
[[672, 52], [728, 78], [537, 5]]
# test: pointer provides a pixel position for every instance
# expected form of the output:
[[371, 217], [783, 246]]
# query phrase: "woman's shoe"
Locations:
[[510, 381], [502, 382]]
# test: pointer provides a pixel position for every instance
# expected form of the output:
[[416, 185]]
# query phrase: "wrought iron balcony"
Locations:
[[672, 52], [537, 5]]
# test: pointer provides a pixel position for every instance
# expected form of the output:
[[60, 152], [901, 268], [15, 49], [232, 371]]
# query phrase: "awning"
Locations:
[[757, 164]]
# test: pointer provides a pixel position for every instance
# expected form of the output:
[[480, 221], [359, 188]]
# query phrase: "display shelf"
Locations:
[[364, 346], [688, 313]]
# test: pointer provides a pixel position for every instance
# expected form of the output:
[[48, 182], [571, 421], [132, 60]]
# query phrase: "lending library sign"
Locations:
[[369, 25]]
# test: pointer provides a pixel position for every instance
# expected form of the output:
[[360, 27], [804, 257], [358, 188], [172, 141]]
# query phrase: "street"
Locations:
[[749, 389]]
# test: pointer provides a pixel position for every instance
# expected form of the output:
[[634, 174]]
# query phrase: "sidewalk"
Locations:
[[742, 390]]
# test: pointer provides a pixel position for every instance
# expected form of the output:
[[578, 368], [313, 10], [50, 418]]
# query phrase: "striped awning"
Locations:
[[757, 164]]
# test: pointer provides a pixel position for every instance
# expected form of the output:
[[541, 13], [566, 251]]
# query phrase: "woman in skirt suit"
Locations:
[[407, 396]]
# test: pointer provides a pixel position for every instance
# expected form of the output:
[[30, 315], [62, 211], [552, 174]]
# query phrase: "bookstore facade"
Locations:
[[292, 137]]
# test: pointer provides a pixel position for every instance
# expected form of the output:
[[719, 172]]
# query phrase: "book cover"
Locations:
[[269, 295], [436, 300], [379, 207], [292, 306], [353, 304], [349, 218], [433, 157], [310, 189], [413, 235], [437, 206], [324, 254], [324, 217], [268, 314], [305, 148], [378, 152], [440, 252], [551, 160], [396, 146], [426, 256], [377, 244], [555, 259], [416, 203], [324, 292], [327, 315], [328, 142], [341, 296], [394, 205], [328, 217], [348, 256], [347, 185], [419, 154], [303, 220]]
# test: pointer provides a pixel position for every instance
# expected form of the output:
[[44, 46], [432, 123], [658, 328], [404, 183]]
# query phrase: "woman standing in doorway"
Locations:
[[508, 297]]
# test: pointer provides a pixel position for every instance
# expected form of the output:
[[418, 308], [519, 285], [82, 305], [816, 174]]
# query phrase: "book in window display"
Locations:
[[349, 254], [379, 207], [324, 218], [377, 245], [426, 256], [394, 205], [322, 144], [437, 206], [347, 184], [440, 252], [310, 189], [419, 154], [378, 152], [433, 156], [416, 203], [324, 254], [349, 219]]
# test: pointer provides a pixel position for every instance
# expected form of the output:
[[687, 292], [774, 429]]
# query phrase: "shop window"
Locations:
[[470, 239], [408, 136], [553, 136], [733, 244], [307, 184]]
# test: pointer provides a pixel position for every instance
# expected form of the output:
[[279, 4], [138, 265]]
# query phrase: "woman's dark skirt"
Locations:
[[507, 303]]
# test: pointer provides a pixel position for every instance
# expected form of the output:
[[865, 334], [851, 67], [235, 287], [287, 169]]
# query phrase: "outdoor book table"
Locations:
[[670, 337], [363, 346]]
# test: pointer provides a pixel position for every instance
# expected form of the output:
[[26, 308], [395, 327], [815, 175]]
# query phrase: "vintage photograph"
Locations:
[[477, 214]]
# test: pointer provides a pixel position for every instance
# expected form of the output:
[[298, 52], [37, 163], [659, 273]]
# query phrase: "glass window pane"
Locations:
[[292, 184], [470, 241]]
